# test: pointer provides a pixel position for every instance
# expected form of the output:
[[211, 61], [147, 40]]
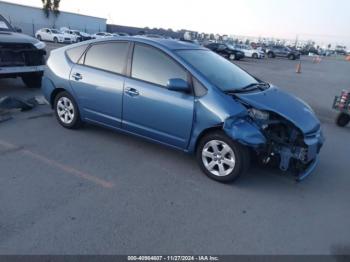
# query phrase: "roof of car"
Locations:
[[166, 43]]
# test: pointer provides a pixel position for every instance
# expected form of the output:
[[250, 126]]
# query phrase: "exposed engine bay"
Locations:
[[277, 141]]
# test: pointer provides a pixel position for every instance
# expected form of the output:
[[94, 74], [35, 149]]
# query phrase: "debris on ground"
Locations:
[[4, 116], [8, 104]]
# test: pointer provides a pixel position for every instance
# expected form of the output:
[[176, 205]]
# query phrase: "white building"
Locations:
[[30, 19]]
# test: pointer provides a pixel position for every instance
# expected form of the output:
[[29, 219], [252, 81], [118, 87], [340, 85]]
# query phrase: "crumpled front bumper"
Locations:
[[250, 135], [308, 155]]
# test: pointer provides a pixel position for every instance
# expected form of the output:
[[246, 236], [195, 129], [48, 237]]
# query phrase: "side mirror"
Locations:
[[178, 84]]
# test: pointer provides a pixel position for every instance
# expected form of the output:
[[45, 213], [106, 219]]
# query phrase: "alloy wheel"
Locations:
[[65, 110], [218, 158]]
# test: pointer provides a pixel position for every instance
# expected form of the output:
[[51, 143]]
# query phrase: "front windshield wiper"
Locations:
[[252, 86]]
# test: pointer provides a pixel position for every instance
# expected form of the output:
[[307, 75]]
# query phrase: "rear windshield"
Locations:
[[217, 70]]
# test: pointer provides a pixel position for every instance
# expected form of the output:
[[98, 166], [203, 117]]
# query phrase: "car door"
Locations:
[[279, 51], [98, 82], [46, 35], [149, 108]]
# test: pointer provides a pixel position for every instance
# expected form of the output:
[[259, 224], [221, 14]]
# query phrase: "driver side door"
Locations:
[[149, 108]]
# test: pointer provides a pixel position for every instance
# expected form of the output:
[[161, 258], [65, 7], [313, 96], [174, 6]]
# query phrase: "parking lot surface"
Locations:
[[94, 191]]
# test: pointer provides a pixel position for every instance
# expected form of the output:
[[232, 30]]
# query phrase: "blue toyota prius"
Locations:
[[184, 96]]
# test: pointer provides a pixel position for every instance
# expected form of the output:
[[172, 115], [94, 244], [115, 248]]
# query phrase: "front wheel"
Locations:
[[221, 158], [66, 111], [343, 119], [255, 56], [270, 55]]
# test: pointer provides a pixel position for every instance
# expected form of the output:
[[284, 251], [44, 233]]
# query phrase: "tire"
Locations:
[[66, 111], [222, 168], [270, 55], [39, 37], [255, 56], [32, 80], [55, 40], [232, 57], [291, 57], [343, 119]]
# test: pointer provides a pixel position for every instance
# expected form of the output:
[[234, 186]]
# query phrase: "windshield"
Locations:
[[219, 71], [232, 47], [4, 25]]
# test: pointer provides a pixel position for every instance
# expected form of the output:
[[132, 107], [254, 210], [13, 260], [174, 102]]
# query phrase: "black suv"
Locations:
[[225, 51], [282, 51], [20, 55]]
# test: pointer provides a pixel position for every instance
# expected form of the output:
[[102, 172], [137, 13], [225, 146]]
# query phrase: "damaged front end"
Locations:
[[277, 140]]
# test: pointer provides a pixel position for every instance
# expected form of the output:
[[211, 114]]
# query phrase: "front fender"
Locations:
[[243, 131]]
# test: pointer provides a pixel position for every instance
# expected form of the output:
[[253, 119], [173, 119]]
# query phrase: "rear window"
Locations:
[[75, 53], [108, 56]]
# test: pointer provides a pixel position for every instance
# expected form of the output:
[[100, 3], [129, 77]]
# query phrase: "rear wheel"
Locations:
[[343, 119], [66, 111], [255, 56], [55, 40], [39, 37], [32, 80], [291, 57], [221, 158]]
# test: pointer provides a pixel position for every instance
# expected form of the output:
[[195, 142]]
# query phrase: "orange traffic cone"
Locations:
[[298, 69]]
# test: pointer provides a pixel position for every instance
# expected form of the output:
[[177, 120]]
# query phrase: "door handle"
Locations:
[[132, 92], [77, 76]]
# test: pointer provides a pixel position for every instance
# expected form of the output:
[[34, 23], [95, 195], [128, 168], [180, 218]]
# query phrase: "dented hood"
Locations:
[[284, 104]]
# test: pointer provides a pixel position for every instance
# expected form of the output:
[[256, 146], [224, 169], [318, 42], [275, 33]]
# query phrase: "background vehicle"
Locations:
[[73, 33], [282, 51], [20, 55], [184, 96], [226, 51], [53, 35], [342, 104], [101, 35], [250, 52]]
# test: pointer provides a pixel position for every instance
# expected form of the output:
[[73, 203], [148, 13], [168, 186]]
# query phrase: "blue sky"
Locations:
[[322, 20]]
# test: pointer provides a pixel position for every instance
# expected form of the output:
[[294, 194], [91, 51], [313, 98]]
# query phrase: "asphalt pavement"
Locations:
[[95, 191]]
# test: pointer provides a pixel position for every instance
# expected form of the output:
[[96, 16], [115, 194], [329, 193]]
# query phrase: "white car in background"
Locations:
[[101, 35], [249, 51], [53, 35], [74, 33]]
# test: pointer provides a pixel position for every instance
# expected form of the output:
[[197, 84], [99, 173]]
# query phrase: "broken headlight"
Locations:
[[258, 114]]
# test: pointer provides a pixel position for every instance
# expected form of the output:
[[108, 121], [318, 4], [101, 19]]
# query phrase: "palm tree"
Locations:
[[51, 6]]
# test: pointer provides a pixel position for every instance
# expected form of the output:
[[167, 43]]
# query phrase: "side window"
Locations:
[[108, 56], [75, 53], [154, 66]]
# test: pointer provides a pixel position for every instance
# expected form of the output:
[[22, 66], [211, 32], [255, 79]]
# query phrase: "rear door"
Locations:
[[98, 82], [149, 108]]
